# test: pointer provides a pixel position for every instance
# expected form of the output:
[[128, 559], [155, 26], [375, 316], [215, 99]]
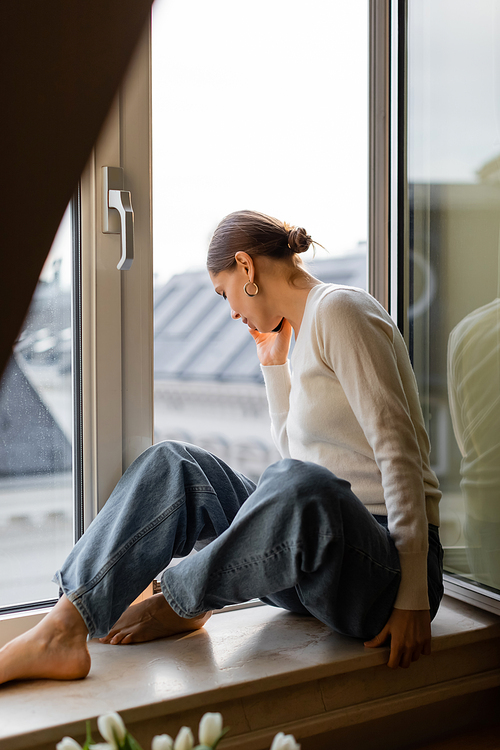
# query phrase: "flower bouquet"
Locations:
[[210, 733]]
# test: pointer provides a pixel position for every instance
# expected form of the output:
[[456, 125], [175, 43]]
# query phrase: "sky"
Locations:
[[258, 104]]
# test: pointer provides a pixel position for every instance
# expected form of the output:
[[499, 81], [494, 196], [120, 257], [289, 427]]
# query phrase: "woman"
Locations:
[[343, 528]]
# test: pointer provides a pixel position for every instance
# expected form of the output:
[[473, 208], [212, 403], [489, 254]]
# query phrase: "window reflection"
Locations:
[[454, 203], [474, 392]]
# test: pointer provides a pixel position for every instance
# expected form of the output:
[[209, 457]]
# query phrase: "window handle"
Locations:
[[122, 201], [118, 214]]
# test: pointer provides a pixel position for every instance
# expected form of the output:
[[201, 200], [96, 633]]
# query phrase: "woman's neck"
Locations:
[[293, 300]]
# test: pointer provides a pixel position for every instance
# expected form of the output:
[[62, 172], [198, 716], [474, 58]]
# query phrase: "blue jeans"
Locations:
[[300, 540]]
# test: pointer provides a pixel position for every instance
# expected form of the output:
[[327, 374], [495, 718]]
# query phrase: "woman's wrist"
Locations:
[[273, 363]]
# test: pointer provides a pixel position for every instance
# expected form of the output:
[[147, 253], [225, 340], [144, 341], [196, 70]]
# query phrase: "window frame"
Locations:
[[379, 152], [117, 306]]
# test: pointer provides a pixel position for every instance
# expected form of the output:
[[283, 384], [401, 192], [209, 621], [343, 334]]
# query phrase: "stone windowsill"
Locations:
[[266, 670]]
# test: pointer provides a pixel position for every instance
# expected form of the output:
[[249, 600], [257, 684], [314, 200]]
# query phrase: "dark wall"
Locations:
[[61, 64]]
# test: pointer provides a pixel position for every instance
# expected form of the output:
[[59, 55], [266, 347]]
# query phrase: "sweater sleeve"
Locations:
[[278, 383], [357, 343]]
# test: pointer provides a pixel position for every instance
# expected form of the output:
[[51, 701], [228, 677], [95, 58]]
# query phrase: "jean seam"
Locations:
[[284, 547], [87, 618], [375, 562], [167, 593], [85, 615], [287, 546], [126, 547], [200, 488]]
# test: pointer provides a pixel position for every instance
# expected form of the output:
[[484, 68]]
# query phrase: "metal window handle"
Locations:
[[118, 214], [122, 201]]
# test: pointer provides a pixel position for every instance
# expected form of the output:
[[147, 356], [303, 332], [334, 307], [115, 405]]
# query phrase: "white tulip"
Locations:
[[210, 728], [102, 746], [184, 740], [112, 728], [162, 742], [284, 741], [68, 743]]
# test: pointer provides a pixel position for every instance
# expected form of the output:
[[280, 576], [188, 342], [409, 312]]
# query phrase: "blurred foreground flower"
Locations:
[[184, 740], [162, 742], [68, 743], [113, 729], [284, 741], [210, 729], [210, 733]]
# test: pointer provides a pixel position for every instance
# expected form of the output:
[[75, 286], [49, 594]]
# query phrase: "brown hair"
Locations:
[[256, 234]]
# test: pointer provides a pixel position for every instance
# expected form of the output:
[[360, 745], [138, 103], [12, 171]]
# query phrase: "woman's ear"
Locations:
[[245, 263]]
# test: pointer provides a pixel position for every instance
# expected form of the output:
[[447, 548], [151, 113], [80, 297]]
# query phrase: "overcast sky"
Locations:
[[258, 104]]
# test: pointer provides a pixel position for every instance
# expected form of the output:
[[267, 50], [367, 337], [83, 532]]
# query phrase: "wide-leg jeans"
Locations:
[[300, 540]]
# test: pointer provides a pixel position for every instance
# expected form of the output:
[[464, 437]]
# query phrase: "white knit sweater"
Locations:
[[351, 404]]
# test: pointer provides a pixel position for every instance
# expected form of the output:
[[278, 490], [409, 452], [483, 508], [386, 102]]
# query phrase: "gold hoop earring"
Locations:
[[247, 292]]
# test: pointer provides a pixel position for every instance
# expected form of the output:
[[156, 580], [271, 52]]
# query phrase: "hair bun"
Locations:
[[298, 240]]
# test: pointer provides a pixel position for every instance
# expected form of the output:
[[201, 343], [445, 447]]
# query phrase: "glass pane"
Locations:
[[36, 498], [256, 105], [454, 199]]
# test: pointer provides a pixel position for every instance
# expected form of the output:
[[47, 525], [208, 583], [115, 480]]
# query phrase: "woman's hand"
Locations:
[[410, 633], [273, 348]]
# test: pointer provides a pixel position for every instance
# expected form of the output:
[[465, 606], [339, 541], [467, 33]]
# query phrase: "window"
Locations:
[[452, 273], [306, 77], [36, 438]]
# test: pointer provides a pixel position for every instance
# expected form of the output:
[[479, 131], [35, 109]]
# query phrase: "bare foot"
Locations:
[[151, 619], [54, 649]]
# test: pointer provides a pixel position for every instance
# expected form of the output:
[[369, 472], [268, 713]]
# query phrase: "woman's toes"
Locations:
[[122, 638], [107, 638], [149, 620], [116, 639]]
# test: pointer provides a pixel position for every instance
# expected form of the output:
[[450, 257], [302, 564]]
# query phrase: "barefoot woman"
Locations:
[[343, 528]]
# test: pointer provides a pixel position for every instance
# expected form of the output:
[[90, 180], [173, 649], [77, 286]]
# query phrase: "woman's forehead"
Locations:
[[218, 279]]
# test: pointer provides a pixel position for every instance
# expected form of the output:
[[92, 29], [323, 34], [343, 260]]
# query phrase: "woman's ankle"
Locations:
[[65, 616]]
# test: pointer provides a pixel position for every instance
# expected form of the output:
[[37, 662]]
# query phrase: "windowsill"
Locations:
[[265, 670], [14, 624]]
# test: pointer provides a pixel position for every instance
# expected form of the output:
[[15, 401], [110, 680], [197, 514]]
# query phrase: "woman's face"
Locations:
[[257, 312]]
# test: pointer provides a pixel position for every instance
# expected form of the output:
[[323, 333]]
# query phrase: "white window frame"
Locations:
[[117, 306]]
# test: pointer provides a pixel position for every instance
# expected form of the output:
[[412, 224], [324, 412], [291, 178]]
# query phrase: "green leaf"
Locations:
[[129, 743], [88, 740], [224, 732]]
